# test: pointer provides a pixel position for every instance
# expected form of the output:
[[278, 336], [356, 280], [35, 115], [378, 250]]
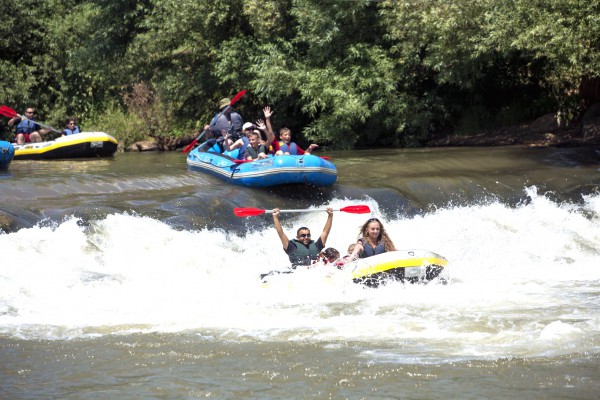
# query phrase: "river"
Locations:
[[132, 278]]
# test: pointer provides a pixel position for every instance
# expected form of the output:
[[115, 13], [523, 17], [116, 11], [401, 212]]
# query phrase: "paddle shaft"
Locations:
[[301, 210], [252, 212], [9, 112], [40, 124]]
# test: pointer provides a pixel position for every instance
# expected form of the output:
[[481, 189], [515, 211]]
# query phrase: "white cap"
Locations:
[[247, 125]]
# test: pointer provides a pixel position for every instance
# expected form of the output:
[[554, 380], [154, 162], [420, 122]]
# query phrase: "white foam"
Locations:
[[521, 279]]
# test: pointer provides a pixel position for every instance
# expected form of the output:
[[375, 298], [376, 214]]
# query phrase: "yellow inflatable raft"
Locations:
[[403, 265], [84, 144]]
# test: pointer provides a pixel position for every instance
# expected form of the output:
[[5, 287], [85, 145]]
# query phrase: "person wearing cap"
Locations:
[[226, 121], [242, 143], [271, 145]]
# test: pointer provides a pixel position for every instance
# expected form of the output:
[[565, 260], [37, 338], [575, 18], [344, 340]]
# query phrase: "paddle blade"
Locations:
[[237, 97], [248, 212], [360, 209], [7, 111], [190, 146]]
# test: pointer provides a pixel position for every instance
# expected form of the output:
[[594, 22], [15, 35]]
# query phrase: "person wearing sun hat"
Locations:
[[226, 121]]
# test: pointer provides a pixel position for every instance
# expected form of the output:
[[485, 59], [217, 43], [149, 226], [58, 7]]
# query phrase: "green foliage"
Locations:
[[126, 128], [340, 73]]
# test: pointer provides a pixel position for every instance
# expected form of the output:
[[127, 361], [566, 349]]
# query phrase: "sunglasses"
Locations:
[[304, 235], [372, 220]]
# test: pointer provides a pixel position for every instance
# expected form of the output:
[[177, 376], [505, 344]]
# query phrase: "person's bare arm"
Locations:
[[282, 236], [13, 120], [358, 248], [270, 134], [327, 227], [311, 148]]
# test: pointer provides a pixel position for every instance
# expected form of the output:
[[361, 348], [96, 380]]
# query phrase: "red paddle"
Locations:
[[7, 111], [235, 98], [10, 113], [251, 212]]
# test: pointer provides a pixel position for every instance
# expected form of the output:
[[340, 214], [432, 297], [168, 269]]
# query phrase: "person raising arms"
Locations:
[[302, 250], [285, 144], [243, 142], [372, 240], [271, 142]]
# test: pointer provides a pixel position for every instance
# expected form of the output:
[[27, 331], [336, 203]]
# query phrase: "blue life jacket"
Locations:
[[27, 126], [68, 131], [292, 148], [369, 251]]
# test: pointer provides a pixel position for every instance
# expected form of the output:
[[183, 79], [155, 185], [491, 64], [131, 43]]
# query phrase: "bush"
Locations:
[[125, 127]]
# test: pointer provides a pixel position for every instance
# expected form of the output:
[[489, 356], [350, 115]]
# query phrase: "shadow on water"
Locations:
[[400, 182]]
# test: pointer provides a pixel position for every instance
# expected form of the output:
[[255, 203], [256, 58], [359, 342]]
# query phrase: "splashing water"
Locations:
[[522, 281]]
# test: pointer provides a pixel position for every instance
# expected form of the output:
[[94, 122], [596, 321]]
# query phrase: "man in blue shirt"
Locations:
[[27, 129]]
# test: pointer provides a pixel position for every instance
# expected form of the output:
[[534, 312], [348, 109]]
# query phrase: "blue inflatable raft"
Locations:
[[7, 153], [279, 170]]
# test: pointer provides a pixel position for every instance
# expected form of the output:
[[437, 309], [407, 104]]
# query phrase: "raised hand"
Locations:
[[260, 124], [267, 111]]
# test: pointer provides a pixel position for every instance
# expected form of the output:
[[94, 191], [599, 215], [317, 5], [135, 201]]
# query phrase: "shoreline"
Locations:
[[540, 133], [543, 132], [505, 137]]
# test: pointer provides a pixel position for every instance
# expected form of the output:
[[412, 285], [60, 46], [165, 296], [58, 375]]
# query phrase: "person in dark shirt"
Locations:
[[372, 240], [226, 121], [302, 250]]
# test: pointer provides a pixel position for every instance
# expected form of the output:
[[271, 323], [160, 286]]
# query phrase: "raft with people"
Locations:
[[7, 153], [83, 144], [406, 266], [271, 171]]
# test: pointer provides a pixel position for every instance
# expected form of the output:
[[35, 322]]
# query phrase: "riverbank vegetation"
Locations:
[[340, 73]]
